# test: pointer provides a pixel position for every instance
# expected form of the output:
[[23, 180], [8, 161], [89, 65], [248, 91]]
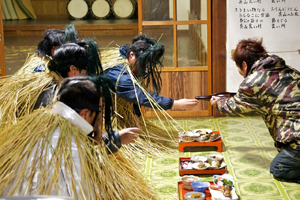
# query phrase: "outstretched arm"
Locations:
[[184, 103]]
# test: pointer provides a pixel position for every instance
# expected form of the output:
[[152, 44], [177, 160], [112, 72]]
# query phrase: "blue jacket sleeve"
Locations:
[[113, 145], [132, 93]]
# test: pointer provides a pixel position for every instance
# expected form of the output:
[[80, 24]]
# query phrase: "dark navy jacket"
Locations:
[[126, 89]]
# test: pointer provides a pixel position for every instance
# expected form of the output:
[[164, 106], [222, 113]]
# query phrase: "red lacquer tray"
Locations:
[[194, 171], [182, 191], [218, 144]]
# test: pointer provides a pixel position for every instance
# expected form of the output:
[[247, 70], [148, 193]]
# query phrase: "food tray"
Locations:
[[218, 144], [194, 171], [182, 191]]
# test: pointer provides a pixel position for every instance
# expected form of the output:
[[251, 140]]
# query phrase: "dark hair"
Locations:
[[66, 55], [52, 37], [55, 38], [79, 93], [82, 92], [94, 64], [250, 51], [149, 56]]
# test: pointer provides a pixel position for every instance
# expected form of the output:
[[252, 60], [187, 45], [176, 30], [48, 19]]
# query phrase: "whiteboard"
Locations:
[[276, 21]]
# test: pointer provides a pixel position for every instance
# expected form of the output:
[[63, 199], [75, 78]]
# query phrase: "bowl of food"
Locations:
[[194, 195], [200, 165], [200, 186], [189, 179]]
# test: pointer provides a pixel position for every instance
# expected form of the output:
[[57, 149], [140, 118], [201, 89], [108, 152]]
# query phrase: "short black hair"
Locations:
[[66, 55], [52, 37], [79, 93], [55, 38], [82, 92]]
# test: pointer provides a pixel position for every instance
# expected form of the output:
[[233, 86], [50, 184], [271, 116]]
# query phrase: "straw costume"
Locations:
[[49, 152], [20, 94], [53, 38], [131, 95]]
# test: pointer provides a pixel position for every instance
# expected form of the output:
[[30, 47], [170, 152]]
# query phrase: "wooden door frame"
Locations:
[[206, 68], [218, 52], [2, 52]]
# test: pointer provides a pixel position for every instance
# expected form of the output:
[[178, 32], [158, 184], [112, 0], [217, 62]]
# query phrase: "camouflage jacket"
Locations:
[[271, 90]]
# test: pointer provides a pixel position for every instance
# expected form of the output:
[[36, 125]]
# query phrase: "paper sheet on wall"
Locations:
[[276, 21]]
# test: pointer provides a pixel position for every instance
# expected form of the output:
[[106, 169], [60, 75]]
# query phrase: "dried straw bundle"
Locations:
[[30, 165], [154, 139], [18, 94], [31, 63]]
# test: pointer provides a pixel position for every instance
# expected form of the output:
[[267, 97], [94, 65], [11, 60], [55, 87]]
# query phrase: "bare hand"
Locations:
[[185, 103], [214, 100], [129, 135]]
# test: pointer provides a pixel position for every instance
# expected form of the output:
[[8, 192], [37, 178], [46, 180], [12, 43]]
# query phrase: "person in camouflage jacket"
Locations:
[[271, 89]]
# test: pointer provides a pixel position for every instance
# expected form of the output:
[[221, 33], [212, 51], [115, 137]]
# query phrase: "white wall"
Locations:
[[282, 39]]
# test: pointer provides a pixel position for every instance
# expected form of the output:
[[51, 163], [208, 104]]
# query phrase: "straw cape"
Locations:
[[154, 138], [18, 94], [33, 61], [30, 166]]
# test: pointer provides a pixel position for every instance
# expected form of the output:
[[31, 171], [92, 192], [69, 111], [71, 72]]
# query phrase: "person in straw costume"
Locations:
[[53, 38], [69, 60], [131, 69], [19, 93], [51, 151]]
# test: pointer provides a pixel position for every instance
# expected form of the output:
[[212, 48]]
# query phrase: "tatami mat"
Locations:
[[249, 149]]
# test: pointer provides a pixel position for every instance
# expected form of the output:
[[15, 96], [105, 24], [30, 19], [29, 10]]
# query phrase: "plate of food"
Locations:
[[198, 159], [222, 180], [182, 133], [223, 187], [213, 157], [187, 139], [210, 137], [186, 165], [202, 131], [193, 134], [217, 164], [200, 165]]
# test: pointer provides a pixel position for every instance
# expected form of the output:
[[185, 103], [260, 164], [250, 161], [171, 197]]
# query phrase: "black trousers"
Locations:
[[286, 165]]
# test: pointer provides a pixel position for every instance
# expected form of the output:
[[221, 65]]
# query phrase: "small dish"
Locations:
[[189, 195], [196, 165], [198, 159]]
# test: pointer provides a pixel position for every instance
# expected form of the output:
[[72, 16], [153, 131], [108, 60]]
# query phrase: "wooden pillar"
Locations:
[[2, 53], [218, 48]]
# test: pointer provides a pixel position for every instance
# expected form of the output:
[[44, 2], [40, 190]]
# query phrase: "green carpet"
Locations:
[[249, 149]]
